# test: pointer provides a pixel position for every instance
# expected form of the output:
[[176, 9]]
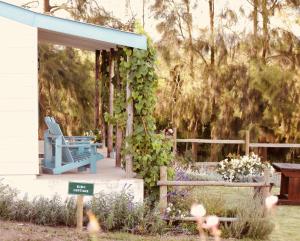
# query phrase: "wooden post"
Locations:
[[119, 131], [129, 129], [79, 212], [266, 191], [97, 96], [103, 99], [174, 141], [119, 139], [247, 142], [163, 190], [111, 104]]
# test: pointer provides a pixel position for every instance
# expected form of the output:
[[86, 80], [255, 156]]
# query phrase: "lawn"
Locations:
[[286, 220]]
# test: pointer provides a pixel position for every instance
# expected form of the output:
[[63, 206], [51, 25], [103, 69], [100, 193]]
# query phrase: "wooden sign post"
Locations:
[[80, 189]]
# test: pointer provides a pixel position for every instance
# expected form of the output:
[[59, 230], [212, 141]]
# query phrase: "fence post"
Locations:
[[247, 142], [79, 212], [163, 190], [266, 189], [174, 141]]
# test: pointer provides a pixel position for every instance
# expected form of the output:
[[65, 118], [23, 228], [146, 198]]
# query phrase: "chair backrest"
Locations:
[[54, 129], [53, 126]]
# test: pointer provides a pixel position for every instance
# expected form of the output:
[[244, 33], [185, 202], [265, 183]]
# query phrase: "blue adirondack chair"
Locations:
[[63, 153]]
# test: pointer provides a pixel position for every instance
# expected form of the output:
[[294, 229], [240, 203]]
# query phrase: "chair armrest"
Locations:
[[80, 145], [79, 137]]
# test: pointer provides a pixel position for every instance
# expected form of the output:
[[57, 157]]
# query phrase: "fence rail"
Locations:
[[225, 141], [211, 141], [260, 188], [211, 183], [245, 142]]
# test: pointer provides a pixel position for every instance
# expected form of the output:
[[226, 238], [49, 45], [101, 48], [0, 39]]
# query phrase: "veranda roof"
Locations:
[[72, 33]]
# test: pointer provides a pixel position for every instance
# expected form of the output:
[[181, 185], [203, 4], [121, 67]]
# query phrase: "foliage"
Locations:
[[237, 168], [253, 222], [116, 212], [147, 148], [96, 134], [65, 89], [195, 174], [241, 90], [40, 210]]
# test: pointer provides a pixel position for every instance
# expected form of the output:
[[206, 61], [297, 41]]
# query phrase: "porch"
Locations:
[[108, 179]]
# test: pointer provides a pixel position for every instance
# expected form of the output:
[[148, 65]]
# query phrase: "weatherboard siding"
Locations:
[[18, 99]]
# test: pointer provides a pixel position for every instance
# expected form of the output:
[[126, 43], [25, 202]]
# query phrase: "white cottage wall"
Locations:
[[18, 99]]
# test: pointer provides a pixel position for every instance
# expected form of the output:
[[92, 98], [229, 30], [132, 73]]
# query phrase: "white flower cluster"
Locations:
[[174, 212], [240, 167]]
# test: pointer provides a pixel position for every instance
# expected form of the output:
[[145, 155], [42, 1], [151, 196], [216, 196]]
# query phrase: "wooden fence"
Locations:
[[260, 188], [245, 142]]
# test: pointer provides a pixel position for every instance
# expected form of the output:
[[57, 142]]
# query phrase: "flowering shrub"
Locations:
[[238, 168], [192, 174], [174, 212]]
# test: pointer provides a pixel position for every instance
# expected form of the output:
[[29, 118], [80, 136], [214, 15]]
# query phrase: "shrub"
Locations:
[[7, 197], [238, 168], [192, 174], [253, 222], [119, 212], [116, 212], [252, 219], [41, 210]]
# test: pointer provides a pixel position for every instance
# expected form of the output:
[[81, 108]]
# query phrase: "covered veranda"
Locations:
[[58, 31]]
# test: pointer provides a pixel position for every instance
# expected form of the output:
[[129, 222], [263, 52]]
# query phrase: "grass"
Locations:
[[286, 219]]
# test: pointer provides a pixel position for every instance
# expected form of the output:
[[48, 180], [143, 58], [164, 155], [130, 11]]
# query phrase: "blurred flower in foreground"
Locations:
[[93, 225], [198, 210], [271, 201], [212, 223]]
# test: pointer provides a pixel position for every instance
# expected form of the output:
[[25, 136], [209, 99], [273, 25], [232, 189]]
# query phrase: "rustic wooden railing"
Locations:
[[245, 142], [260, 188]]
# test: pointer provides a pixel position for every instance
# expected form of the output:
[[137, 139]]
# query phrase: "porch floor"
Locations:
[[108, 179], [106, 170]]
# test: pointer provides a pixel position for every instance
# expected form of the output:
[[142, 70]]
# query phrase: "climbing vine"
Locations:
[[148, 149]]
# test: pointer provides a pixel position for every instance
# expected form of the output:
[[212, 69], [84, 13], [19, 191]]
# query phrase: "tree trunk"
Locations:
[[255, 27], [47, 6], [144, 2], [111, 104], [214, 147], [194, 151], [265, 30], [212, 37], [189, 22], [96, 105]]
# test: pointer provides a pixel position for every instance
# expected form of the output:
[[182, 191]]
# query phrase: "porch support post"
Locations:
[[119, 131], [129, 127], [103, 100], [97, 68], [111, 104]]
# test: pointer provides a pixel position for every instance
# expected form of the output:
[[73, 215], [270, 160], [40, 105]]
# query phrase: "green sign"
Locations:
[[80, 188]]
